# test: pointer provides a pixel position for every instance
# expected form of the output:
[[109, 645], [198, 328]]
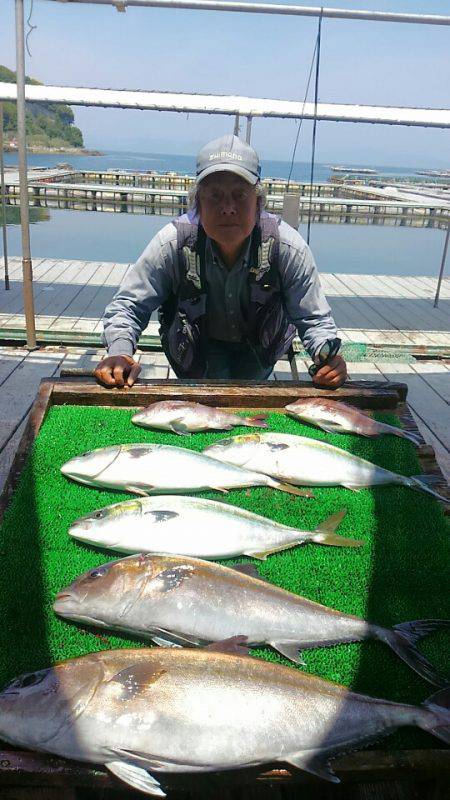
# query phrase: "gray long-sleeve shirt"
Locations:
[[154, 277]]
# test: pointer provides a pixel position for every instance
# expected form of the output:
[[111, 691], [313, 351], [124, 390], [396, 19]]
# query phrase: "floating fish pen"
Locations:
[[170, 202], [399, 574]]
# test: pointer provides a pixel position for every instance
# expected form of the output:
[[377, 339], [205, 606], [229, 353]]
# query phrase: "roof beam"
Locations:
[[229, 104], [273, 8]]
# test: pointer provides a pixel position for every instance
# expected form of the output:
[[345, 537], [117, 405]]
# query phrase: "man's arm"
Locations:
[[306, 305], [145, 287]]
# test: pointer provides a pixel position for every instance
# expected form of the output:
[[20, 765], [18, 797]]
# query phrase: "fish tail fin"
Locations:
[[288, 488], [412, 437], [439, 723], [256, 421], [325, 532], [423, 483], [403, 638]]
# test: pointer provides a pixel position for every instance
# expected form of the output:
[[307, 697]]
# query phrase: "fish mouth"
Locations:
[[62, 600]]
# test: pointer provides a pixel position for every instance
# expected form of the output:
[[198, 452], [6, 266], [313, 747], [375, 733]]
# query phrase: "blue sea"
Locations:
[[103, 236]]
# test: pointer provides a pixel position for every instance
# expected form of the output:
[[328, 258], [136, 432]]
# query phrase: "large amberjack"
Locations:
[[334, 416], [309, 462], [194, 526], [141, 712], [183, 417], [186, 601], [161, 469]]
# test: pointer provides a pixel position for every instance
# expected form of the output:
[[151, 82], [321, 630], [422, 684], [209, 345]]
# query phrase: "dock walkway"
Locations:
[[70, 297], [21, 371]]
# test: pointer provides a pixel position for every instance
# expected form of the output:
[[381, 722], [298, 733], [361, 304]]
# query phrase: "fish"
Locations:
[[309, 462], [194, 526], [158, 469], [333, 416], [145, 712], [184, 418], [181, 601]]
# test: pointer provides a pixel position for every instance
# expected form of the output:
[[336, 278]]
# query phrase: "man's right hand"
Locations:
[[117, 371]]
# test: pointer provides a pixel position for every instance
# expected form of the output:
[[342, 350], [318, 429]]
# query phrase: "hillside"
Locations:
[[49, 125]]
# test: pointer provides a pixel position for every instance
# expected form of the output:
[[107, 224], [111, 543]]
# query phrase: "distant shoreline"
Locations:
[[70, 151]]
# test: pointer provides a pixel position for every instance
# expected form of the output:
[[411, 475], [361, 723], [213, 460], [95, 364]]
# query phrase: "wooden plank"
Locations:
[[441, 453], [23, 768], [365, 314], [225, 393], [12, 300], [18, 391], [435, 375], [91, 304], [33, 423], [9, 361], [364, 370], [377, 290], [64, 293], [154, 365], [78, 301], [397, 316], [423, 400], [8, 452], [43, 294], [424, 311]]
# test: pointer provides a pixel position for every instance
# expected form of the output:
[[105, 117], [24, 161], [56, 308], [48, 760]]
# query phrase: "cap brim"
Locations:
[[243, 173]]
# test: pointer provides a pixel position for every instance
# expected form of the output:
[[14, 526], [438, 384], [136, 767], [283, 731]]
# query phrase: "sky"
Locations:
[[254, 55]]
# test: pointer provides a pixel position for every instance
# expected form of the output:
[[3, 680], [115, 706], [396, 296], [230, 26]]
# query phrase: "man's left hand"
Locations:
[[331, 375]]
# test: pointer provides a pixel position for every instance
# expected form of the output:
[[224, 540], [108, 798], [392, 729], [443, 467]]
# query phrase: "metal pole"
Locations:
[[273, 8], [248, 132], [2, 178], [236, 125], [313, 146], [27, 269], [441, 271]]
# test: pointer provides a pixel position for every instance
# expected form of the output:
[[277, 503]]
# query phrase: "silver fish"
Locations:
[[308, 462], [159, 469], [182, 417], [336, 417], [185, 601], [141, 712], [196, 527]]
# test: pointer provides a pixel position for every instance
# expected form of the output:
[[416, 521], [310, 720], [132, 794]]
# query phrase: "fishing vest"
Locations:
[[183, 316]]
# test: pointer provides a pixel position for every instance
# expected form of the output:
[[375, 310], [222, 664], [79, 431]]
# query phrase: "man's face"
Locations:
[[227, 205]]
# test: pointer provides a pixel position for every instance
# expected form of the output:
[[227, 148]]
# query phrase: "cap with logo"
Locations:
[[229, 154]]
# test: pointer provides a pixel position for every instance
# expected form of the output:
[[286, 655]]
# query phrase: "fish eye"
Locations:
[[98, 573], [30, 679], [99, 514]]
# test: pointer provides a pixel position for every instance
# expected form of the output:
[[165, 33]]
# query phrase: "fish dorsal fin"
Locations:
[[236, 645], [138, 677], [137, 777], [312, 761], [330, 524]]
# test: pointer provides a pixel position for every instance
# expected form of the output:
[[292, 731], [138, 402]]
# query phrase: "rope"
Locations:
[[31, 28], [301, 119], [313, 148]]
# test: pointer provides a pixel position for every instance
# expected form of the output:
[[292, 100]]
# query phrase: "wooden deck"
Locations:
[[21, 371], [70, 297]]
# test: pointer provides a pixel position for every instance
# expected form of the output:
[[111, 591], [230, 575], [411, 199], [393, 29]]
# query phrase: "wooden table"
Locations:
[[425, 773]]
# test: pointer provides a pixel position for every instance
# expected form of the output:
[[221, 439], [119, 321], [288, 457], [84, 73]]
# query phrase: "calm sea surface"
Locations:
[[102, 236]]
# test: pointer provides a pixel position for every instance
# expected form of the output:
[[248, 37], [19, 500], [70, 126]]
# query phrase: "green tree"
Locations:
[[46, 123]]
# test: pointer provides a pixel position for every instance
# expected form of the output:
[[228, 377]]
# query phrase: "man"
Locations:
[[233, 285]]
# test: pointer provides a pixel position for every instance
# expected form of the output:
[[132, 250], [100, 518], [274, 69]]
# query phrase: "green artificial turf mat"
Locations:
[[400, 574]]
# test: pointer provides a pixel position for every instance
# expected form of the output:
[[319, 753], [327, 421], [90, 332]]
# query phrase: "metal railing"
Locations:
[[96, 96]]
